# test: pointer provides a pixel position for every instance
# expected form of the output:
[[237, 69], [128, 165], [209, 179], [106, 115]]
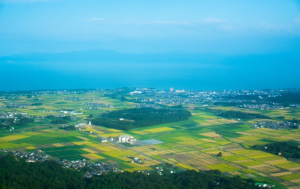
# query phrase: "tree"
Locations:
[[219, 154]]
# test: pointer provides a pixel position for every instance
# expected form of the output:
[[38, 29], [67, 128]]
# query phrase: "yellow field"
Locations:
[[114, 130], [78, 143], [139, 132], [89, 150], [30, 147], [186, 166], [92, 129], [120, 153], [57, 145], [103, 148], [13, 146], [82, 138], [207, 140], [222, 167], [211, 134], [112, 134], [92, 156], [12, 138], [96, 156], [157, 130]]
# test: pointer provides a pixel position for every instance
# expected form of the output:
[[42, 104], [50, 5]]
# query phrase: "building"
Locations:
[[125, 138], [82, 124], [104, 140], [135, 92], [171, 89]]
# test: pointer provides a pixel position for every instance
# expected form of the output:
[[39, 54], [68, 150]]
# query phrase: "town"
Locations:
[[97, 168]]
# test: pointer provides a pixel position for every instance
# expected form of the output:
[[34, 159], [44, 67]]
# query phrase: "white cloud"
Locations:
[[213, 20], [268, 26]]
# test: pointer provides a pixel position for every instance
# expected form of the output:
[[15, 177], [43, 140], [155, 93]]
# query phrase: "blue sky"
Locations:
[[137, 26]]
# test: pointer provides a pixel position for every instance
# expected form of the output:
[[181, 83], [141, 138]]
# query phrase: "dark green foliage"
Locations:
[[50, 174], [59, 121], [241, 115], [69, 128], [24, 121], [245, 97], [177, 107], [295, 121], [287, 98], [67, 118], [182, 180], [7, 122], [140, 117], [287, 150], [226, 103], [219, 154], [37, 104]]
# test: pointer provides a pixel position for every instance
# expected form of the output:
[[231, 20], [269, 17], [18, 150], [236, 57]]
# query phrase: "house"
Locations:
[[179, 91], [264, 185], [135, 92], [126, 138], [83, 124]]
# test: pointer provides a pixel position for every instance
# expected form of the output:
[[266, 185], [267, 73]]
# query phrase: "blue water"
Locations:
[[188, 76]]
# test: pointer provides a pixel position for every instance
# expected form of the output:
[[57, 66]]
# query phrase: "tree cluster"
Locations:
[[50, 174], [241, 115], [69, 128], [140, 117], [59, 121], [8, 122], [287, 98], [37, 104], [285, 149]]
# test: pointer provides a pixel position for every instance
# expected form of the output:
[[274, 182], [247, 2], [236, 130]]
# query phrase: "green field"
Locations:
[[189, 144]]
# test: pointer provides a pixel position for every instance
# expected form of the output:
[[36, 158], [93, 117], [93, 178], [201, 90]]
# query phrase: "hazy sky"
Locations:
[[137, 26]]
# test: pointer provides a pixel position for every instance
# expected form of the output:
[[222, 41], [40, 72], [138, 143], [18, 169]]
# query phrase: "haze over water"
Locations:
[[246, 72], [191, 45]]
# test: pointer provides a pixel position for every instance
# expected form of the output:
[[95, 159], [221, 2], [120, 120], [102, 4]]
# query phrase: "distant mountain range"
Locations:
[[113, 56]]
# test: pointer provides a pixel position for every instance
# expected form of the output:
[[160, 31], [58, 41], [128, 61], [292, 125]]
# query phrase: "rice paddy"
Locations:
[[191, 144], [157, 130]]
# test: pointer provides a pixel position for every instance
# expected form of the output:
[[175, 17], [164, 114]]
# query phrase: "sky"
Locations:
[[156, 26]]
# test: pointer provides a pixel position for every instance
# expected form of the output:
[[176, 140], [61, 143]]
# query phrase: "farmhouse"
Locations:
[[125, 138], [83, 124], [135, 92]]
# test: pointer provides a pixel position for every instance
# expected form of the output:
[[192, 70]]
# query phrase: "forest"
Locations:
[[62, 120], [285, 149], [287, 98], [18, 174], [241, 115], [139, 117], [8, 122]]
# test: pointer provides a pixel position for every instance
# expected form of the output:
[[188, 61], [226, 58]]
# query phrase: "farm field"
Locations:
[[191, 144]]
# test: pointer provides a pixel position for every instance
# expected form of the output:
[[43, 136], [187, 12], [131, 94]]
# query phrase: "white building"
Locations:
[[179, 91], [135, 92], [126, 138]]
